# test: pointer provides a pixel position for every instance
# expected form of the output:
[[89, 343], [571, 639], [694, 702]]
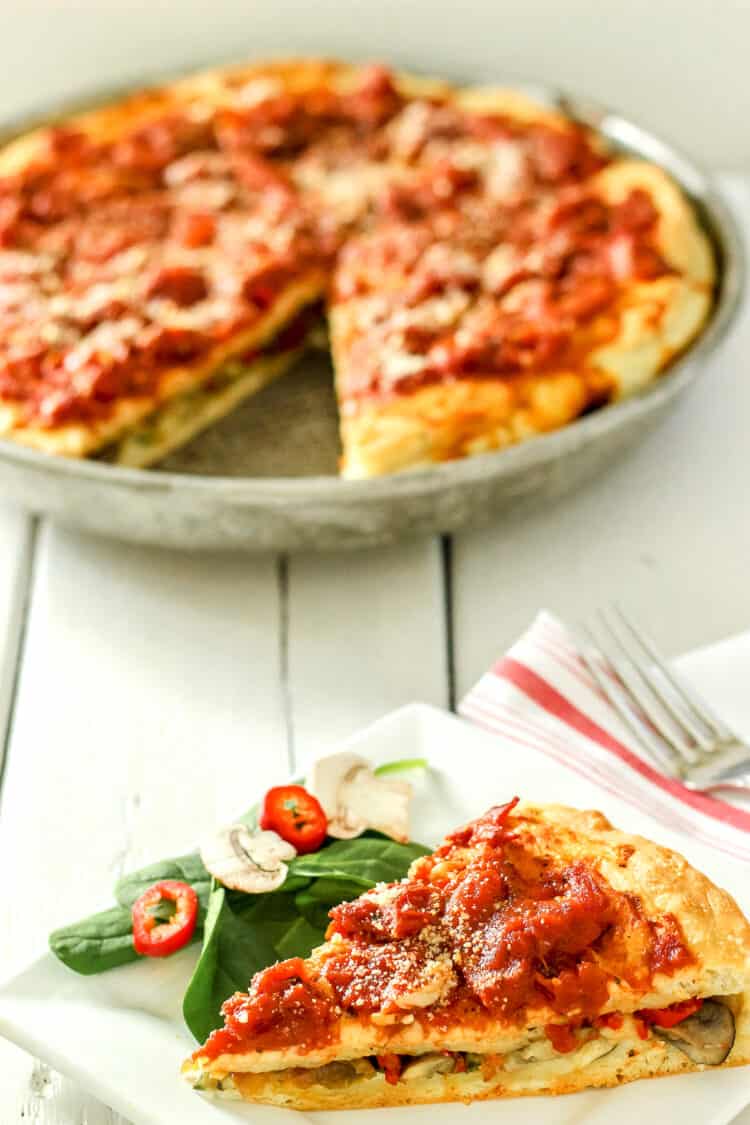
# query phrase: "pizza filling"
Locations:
[[157, 431], [705, 1039]]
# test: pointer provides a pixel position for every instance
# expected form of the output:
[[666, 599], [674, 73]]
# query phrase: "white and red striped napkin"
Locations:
[[540, 696]]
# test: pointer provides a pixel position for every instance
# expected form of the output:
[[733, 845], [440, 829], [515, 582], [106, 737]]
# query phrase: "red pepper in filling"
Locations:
[[612, 1020], [296, 815], [164, 918], [391, 1067], [671, 1016], [562, 1037], [459, 1061]]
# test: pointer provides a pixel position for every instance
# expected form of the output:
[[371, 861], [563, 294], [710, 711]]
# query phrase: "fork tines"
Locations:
[[668, 719]]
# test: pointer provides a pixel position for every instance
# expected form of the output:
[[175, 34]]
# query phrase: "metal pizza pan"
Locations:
[[264, 479]]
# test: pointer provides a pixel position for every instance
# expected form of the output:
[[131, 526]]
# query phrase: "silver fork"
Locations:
[[678, 730]]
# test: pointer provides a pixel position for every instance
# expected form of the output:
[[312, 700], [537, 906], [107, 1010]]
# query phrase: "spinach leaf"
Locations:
[[185, 868], [300, 938], [273, 913], [331, 891], [359, 863], [311, 909], [278, 915], [99, 942], [233, 950]]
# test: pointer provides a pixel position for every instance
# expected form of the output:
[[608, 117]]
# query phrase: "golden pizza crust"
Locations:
[[511, 103], [445, 421], [661, 317], [679, 238], [714, 931]]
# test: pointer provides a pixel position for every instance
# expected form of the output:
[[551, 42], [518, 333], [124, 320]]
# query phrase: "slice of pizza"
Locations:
[[148, 245], [519, 279], [537, 951]]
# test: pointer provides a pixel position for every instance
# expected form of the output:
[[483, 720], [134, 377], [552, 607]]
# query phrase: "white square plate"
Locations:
[[121, 1034]]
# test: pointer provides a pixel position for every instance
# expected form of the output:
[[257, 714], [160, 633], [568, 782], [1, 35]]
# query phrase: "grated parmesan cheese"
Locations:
[[201, 315], [259, 90], [22, 263], [111, 338]]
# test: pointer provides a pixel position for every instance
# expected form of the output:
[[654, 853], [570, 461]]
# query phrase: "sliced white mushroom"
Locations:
[[428, 1066], [247, 861], [706, 1037], [354, 799]]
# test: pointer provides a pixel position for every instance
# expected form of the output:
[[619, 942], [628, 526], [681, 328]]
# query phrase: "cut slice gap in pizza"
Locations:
[[182, 418], [537, 951]]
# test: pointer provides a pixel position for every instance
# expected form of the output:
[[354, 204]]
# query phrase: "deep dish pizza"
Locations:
[[538, 950], [488, 270]]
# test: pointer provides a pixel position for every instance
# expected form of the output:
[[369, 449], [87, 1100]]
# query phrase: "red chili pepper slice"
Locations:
[[671, 1016], [296, 815], [164, 918], [391, 1067]]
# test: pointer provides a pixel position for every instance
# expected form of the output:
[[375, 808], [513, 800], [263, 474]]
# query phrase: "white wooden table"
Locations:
[[128, 673]]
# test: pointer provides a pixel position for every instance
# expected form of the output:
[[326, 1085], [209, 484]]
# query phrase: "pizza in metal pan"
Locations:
[[489, 270]]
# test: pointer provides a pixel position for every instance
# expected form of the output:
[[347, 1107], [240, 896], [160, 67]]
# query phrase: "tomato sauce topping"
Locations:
[[488, 927], [119, 259], [486, 288], [667, 951], [283, 1006]]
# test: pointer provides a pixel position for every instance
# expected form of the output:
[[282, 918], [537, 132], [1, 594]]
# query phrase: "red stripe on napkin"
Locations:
[[494, 719], [551, 700]]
